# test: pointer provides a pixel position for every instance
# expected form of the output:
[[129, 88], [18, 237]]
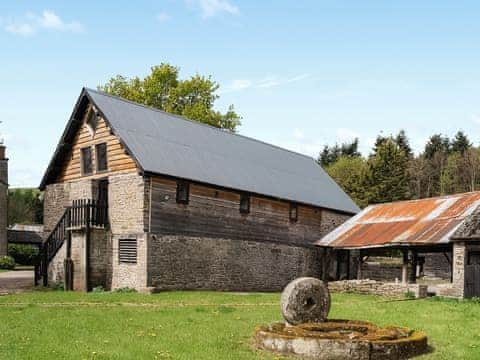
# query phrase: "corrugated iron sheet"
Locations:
[[417, 222]]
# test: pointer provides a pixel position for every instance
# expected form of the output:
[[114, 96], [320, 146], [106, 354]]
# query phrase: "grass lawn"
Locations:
[[4, 270], [201, 325]]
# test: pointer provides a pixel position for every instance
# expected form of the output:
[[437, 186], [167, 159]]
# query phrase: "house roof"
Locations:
[[417, 222], [166, 144]]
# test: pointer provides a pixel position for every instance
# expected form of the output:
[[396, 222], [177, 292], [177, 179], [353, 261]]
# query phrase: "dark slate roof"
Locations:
[[167, 144], [24, 237]]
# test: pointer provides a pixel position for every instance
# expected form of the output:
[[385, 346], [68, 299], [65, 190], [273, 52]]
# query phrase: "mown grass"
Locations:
[[201, 325]]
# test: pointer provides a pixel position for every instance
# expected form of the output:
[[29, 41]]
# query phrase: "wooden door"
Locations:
[[472, 275]]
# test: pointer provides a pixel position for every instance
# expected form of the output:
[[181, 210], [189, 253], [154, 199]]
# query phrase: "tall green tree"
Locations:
[[403, 143], [350, 173], [329, 155], [25, 206], [460, 143], [388, 177], [193, 98]]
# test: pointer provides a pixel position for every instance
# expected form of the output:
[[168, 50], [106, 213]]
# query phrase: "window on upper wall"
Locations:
[[183, 192], [293, 212], [244, 203], [92, 122], [86, 159], [101, 155]]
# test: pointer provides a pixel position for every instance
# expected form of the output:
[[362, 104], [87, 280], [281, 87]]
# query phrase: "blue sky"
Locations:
[[301, 73]]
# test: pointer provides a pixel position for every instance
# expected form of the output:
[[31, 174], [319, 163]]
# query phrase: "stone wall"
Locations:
[[100, 251], [56, 270], [127, 204], [331, 220], [372, 287], [130, 275], [457, 287], [181, 262], [58, 196], [3, 201], [437, 266]]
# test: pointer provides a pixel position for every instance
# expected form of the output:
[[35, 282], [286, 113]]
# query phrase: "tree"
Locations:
[[350, 174], [329, 155], [460, 143], [25, 206], [403, 143], [388, 178], [193, 98], [437, 144]]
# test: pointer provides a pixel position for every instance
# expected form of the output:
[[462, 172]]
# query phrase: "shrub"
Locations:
[[410, 295], [124, 290], [98, 289], [7, 263], [23, 254]]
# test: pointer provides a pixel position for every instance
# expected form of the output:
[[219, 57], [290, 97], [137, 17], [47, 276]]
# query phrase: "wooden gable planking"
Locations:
[[214, 212], [117, 158]]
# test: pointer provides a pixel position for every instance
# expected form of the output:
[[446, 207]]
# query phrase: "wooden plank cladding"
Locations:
[[117, 159], [213, 212]]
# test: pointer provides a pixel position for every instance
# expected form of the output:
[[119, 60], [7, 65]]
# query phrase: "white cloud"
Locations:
[[20, 29], [265, 83], [211, 8], [48, 20], [297, 78], [163, 17]]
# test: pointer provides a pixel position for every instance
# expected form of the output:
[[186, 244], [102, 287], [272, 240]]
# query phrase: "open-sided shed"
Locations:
[[447, 224]]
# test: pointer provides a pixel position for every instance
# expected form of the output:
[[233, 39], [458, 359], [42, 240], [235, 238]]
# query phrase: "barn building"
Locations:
[[136, 197], [438, 237]]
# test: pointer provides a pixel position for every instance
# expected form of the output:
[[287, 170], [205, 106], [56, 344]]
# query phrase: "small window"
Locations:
[[183, 190], [101, 155], [293, 212], [87, 161], [127, 251], [92, 122], [244, 204]]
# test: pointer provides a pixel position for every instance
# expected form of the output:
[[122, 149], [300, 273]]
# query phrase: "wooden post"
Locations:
[[359, 266], [414, 260], [405, 266], [45, 266]]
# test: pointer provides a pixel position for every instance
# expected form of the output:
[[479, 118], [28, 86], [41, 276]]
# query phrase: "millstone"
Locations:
[[305, 300]]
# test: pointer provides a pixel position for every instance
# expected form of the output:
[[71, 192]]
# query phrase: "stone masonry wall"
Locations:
[[437, 265], [127, 204], [100, 258], [372, 287], [181, 262], [56, 270], [331, 220], [3, 204], [457, 287], [130, 275], [58, 196]]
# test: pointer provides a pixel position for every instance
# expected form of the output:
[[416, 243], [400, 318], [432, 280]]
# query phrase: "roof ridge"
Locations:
[[200, 123], [438, 197]]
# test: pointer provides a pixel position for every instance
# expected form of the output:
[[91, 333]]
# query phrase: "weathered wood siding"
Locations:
[[215, 213], [118, 160]]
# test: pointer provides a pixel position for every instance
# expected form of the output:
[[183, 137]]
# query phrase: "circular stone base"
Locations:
[[342, 339]]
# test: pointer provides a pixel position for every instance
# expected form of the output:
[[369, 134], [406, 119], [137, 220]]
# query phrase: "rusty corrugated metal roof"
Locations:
[[416, 222]]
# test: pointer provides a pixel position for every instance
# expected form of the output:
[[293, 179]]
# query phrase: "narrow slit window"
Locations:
[[183, 190], [101, 155], [244, 204], [293, 212], [87, 168], [127, 251]]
